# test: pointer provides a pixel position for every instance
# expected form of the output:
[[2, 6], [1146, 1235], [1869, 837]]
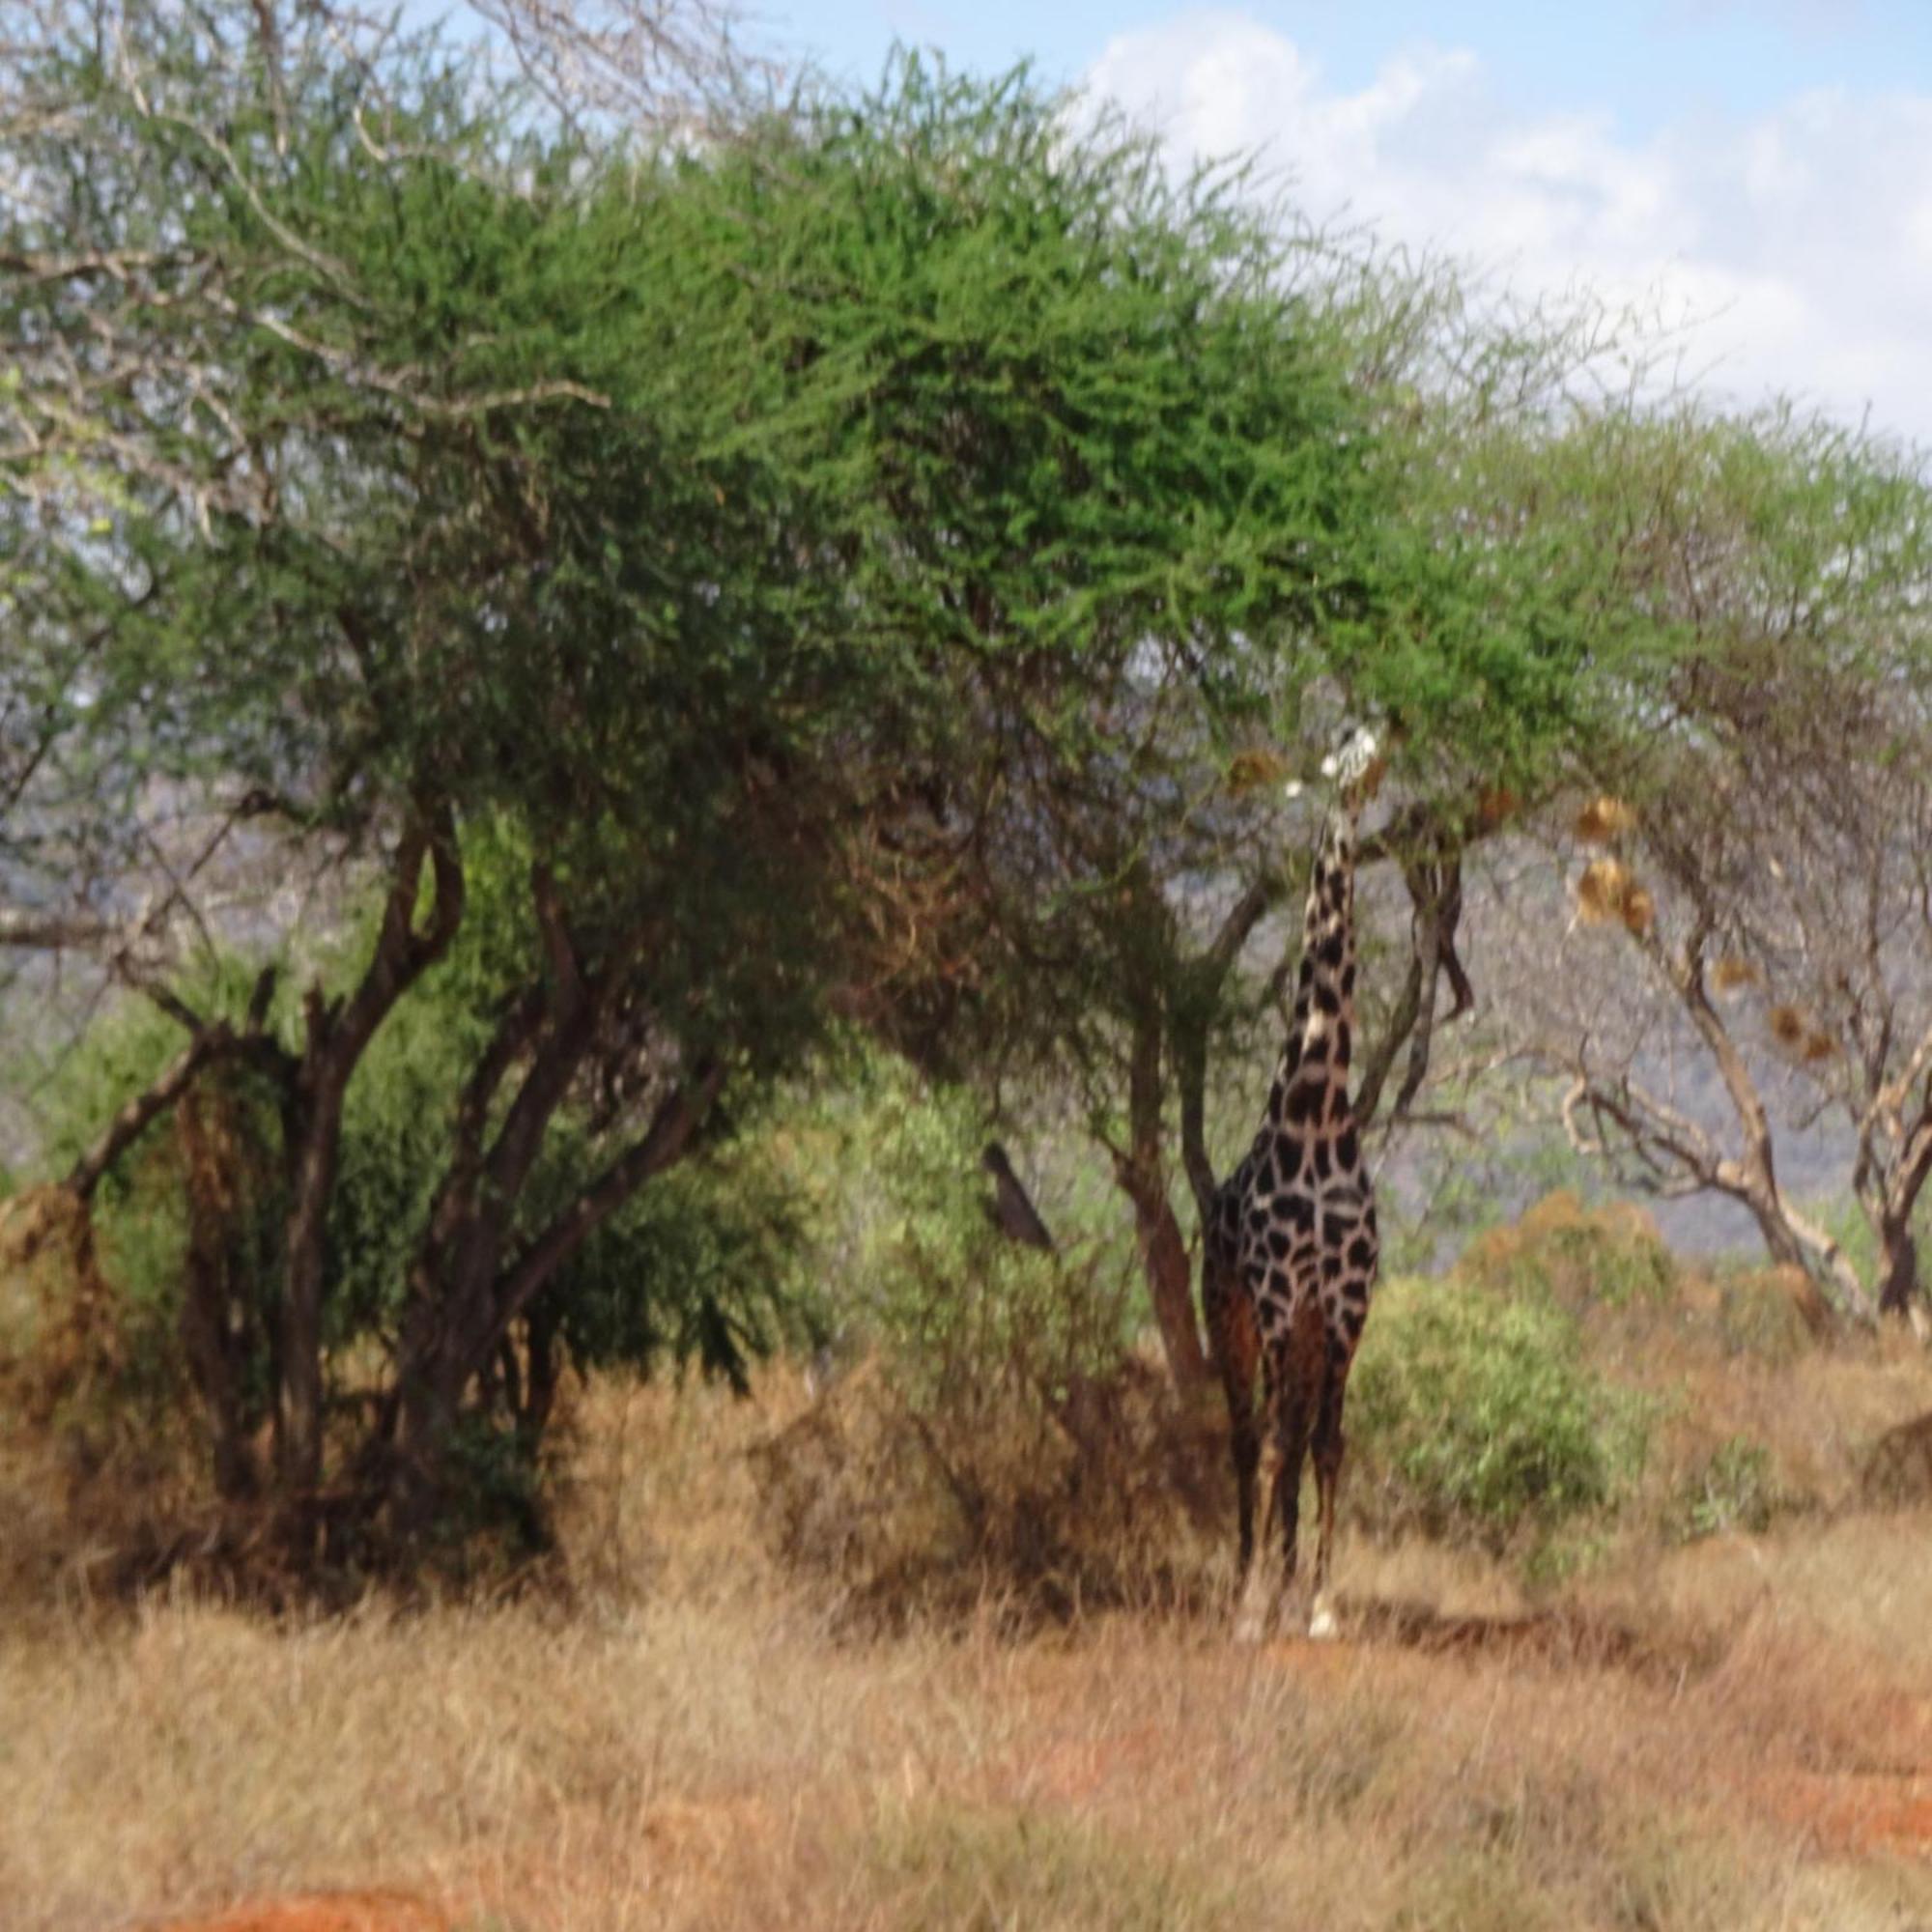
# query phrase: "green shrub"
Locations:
[[1733, 1489], [914, 1267], [1474, 1415], [137, 1379], [995, 1431], [704, 1265]]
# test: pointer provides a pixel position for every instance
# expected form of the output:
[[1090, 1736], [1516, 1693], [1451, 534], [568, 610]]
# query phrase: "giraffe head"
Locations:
[[1357, 767]]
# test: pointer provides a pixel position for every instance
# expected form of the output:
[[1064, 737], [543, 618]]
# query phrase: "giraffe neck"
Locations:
[[1320, 1036]]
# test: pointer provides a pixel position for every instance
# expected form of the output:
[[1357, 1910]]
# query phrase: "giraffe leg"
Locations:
[[1239, 1372], [1237, 1349], [1301, 1390], [1293, 1387], [1247, 1459], [1329, 1443], [1260, 1591]]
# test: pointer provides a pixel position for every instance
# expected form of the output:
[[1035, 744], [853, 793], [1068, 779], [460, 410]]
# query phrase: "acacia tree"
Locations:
[[696, 592], [397, 539], [1090, 445], [736, 537], [1392, 561], [1762, 854]]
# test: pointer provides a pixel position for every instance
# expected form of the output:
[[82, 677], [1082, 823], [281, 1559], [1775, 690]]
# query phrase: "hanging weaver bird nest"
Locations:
[[1608, 893], [1604, 821], [1731, 974], [1792, 1029], [1497, 807], [1255, 766]]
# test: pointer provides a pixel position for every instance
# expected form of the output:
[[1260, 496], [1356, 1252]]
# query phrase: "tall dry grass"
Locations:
[[681, 1739], [684, 1723]]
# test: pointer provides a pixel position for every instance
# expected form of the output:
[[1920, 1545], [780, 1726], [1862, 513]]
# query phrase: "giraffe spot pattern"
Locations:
[[1294, 1234]]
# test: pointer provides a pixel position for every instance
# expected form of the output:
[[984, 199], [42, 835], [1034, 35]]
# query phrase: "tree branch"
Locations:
[[662, 1142]]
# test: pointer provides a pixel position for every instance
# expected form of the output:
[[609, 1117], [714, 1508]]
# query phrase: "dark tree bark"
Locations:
[[470, 1283], [1190, 1015], [1899, 1288], [336, 1033], [460, 1319], [1164, 1252], [1899, 1257], [218, 1330]]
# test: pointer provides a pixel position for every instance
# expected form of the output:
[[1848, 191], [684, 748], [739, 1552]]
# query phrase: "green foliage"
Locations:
[[992, 1430], [830, 571], [916, 1265], [701, 1268], [705, 1266], [1473, 1415], [1735, 1488], [1038, 371], [141, 1208]]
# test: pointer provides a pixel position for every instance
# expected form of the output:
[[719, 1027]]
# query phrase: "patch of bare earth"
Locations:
[[323, 1912]]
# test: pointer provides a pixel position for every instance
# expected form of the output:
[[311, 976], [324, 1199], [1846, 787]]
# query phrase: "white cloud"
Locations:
[[1801, 241]]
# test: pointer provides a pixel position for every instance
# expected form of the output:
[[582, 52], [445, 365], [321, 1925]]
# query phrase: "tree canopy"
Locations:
[[687, 589]]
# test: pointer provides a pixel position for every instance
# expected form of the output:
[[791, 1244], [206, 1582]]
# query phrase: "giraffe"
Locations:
[[1290, 1249]]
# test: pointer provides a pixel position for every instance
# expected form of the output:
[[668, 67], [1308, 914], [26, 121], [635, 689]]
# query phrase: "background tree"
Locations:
[[1762, 849]]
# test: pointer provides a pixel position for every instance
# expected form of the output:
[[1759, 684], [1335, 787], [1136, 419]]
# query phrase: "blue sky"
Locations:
[[1758, 171], [1646, 61]]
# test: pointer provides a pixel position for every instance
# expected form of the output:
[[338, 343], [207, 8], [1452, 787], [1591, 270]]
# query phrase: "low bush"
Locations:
[[1768, 1315], [1476, 1416], [993, 1432], [1734, 1487]]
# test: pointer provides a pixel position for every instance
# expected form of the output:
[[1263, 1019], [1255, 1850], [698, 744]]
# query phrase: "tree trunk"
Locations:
[[313, 1130], [466, 1295], [1828, 1265], [545, 1367], [1898, 1254], [1784, 1247], [1163, 1253], [214, 1341], [1788, 1234], [1792, 1240], [1157, 1232], [1891, 1215], [336, 1036]]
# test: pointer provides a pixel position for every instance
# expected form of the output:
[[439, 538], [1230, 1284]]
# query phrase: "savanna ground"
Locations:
[[1665, 1728]]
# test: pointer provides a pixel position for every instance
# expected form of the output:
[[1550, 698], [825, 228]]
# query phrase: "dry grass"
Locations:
[[688, 1744], [1730, 1733]]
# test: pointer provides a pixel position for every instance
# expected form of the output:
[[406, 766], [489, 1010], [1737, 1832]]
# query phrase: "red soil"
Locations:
[[323, 1912]]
